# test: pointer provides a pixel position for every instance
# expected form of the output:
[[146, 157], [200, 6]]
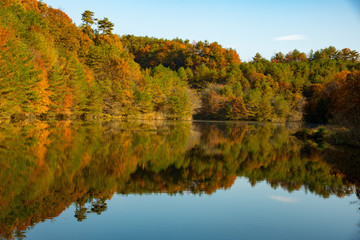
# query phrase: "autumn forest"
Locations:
[[51, 68]]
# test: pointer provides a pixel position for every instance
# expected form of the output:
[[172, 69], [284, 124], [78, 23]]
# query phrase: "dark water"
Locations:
[[174, 180]]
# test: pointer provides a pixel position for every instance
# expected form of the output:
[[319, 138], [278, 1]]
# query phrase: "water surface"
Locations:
[[173, 180]]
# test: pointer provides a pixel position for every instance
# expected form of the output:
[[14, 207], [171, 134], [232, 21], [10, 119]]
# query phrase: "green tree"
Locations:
[[278, 58], [105, 26], [258, 58], [88, 18], [88, 21]]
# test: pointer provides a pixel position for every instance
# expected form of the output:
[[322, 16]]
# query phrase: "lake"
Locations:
[[174, 180]]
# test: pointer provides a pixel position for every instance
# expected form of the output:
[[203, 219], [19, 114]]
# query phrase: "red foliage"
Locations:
[[345, 101]]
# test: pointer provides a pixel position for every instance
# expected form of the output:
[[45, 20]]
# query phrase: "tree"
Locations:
[[345, 101], [88, 21], [295, 56], [330, 52], [278, 58], [347, 55], [87, 18], [258, 57], [236, 108], [105, 26]]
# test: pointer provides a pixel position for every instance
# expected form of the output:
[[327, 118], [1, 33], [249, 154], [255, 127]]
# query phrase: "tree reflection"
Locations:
[[46, 167]]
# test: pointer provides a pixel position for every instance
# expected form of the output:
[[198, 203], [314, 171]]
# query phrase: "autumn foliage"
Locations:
[[51, 68]]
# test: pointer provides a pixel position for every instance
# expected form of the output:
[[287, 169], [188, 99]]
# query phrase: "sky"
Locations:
[[248, 26]]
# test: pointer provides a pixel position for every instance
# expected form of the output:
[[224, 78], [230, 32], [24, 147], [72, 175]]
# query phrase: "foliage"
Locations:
[[177, 53], [52, 68]]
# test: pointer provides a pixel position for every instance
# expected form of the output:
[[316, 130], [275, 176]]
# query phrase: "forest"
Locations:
[[51, 68]]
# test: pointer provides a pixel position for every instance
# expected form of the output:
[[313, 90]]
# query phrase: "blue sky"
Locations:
[[249, 26]]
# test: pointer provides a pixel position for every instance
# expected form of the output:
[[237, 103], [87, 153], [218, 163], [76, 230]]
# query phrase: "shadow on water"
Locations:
[[46, 167]]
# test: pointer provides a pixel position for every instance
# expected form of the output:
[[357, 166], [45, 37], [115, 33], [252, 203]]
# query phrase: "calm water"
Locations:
[[174, 180]]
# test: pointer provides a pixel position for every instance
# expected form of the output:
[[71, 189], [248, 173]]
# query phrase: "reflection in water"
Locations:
[[46, 167]]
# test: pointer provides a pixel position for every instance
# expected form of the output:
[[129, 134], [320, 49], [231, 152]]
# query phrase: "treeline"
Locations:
[[46, 167], [287, 87], [53, 68]]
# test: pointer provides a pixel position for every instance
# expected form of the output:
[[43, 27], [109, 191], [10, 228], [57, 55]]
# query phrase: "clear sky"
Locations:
[[249, 26]]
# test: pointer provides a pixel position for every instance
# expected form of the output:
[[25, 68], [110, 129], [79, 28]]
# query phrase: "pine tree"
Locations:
[[105, 26]]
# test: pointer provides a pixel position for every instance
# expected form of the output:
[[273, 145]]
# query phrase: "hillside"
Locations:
[[51, 68]]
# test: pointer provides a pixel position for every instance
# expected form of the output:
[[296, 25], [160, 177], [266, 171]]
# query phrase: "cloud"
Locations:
[[291, 37], [284, 199]]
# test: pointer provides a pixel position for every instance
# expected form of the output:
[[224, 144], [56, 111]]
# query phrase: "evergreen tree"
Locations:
[[88, 18], [105, 26]]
